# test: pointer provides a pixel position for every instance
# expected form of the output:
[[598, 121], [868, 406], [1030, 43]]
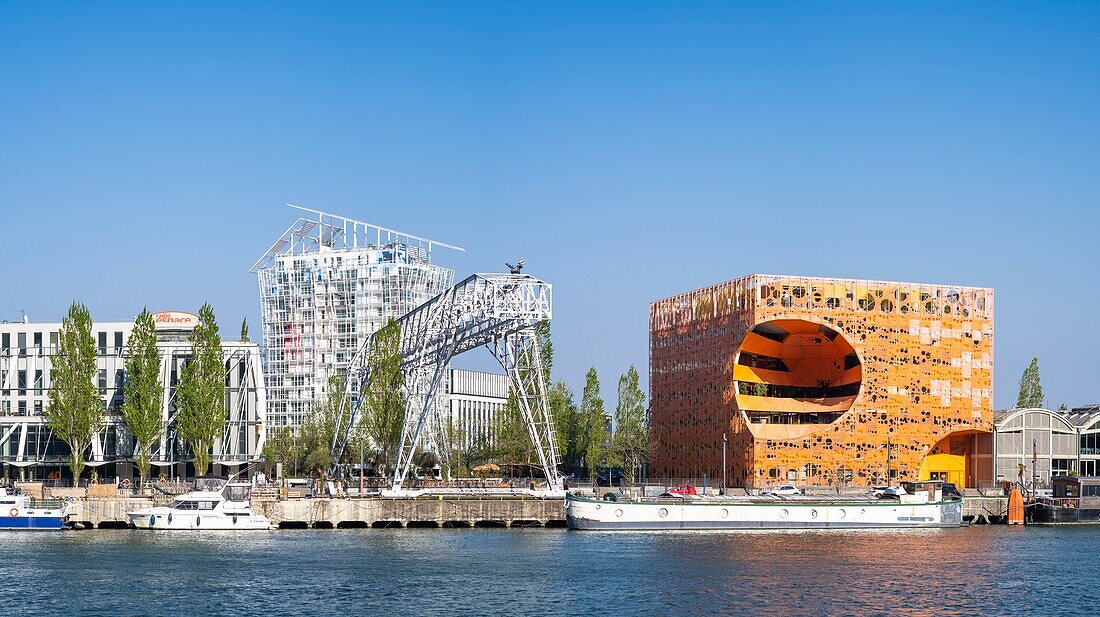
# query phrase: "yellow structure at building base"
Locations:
[[947, 467]]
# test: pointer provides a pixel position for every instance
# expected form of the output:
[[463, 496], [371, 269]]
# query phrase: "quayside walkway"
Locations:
[[436, 511]]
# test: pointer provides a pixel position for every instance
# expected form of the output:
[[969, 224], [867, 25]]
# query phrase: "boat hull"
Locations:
[[163, 519], [32, 522], [590, 514]]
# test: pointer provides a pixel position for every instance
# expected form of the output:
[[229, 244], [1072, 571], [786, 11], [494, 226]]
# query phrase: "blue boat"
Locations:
[[21, 512]]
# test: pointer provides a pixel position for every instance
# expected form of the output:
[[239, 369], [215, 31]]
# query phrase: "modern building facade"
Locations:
[[1045, 442], [474, 401], [1087, 420], [28, 447], [822, 381], [326, 285]]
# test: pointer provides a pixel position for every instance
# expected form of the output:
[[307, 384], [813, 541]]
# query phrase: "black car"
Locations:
[[614, 476]]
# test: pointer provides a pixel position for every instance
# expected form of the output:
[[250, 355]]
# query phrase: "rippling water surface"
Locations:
[[987, 570]]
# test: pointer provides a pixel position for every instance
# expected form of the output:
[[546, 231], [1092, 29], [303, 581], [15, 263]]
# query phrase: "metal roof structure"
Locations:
[[324, 230]]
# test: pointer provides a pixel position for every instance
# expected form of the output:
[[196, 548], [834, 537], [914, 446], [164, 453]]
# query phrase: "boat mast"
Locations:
[[888, 460]]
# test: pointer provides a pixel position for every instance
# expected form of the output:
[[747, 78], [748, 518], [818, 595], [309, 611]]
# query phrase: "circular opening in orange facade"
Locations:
[[792, 371]]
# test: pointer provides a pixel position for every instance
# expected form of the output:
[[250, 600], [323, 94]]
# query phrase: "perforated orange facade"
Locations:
[[810, 378]]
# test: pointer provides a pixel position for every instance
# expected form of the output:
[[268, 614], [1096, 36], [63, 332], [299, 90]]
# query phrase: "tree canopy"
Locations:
[[593, 424], [201, 390], [384, 400], [1031, 390], [144, 390], [630, 441], [75, 409]]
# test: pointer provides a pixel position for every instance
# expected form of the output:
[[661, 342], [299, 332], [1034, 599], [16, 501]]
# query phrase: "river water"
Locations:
[[987, 570]]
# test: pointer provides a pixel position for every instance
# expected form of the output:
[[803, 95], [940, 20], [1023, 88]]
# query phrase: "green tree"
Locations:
[[1031, 390], [75, 409], [144, 390], [384, 402], [546, 350], [317, 432], [283, 446], [201, 390], [513, 443], [631, 440], [1063, 407], [244, 331], [476, 452], [593, 419], [566, 424]]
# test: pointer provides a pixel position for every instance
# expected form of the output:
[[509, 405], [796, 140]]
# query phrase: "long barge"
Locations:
[[919, 509]]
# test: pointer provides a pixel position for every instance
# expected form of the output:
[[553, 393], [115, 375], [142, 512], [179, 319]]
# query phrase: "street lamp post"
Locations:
[[724, 485]]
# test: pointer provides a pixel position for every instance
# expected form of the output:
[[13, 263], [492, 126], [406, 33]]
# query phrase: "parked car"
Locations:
[[610, 477], [782, 491], [682, 489]]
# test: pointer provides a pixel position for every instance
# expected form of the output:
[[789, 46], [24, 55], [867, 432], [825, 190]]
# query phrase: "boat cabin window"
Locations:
[[207, 483], [182, 504], [206, 505], [237, 492]]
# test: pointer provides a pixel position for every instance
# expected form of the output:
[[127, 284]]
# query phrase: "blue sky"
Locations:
[[628, 152]]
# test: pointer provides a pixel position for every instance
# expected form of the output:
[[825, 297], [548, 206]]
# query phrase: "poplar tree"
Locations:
[[593, 423], [244, 331], [384, 402], [1031, 390], [144, 390], [630, 439], [566, 423], [75, 409], [201, 391]]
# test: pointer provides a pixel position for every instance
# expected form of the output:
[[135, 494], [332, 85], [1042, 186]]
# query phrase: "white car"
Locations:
[[782, 491]]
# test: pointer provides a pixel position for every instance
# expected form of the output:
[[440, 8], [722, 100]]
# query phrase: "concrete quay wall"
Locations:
[[107, 513], [420, 512], [981, 509]]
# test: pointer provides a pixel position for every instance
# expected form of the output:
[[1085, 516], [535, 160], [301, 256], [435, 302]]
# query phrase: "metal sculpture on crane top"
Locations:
[[496, 311]]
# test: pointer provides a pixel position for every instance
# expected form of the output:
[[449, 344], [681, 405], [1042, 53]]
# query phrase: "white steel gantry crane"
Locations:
[[496, 311]]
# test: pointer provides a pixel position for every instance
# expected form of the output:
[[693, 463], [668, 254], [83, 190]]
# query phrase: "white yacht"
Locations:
[[214, 505]]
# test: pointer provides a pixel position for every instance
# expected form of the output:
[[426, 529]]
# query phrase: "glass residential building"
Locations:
[[326, 285]]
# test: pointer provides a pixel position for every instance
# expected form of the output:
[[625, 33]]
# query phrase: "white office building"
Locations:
[[474, 403], [29, 449]]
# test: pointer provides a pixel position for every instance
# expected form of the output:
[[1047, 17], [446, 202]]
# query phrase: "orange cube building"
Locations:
[[816, 381]]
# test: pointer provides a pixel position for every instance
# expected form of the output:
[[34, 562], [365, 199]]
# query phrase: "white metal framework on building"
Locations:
[[326, 285], [496, 311]]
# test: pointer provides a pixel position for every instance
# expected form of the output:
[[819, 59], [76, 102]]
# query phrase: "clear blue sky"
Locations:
[[627, 152]]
